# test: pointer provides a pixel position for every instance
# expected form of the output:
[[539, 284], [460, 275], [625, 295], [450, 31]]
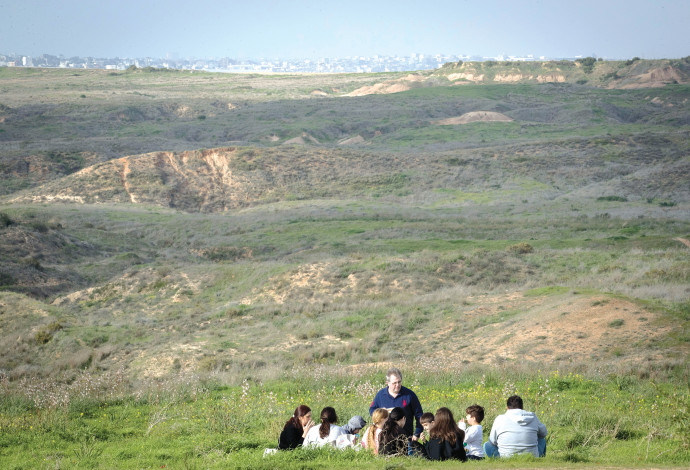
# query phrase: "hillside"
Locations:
[[56, 122], [635, 73], [634, 168], [241, 225]]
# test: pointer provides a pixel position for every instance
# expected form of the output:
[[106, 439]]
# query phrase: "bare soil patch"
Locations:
[[570, 328], [389, 86]]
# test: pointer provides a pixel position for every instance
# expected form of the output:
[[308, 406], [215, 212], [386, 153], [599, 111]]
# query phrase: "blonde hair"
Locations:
[[379, 415]]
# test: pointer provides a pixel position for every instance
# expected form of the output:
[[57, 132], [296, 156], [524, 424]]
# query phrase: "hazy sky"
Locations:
[[322, 28]]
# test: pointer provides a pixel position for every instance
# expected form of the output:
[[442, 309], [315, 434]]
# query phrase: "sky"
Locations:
[[308, 29]]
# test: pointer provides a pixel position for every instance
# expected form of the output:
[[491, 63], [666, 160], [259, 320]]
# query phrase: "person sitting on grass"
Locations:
[[445, 438], [427, 420], [516, 432], [474, 433], [393, 438], [370, 440], [350, 436], [296, 429], [325, 433]]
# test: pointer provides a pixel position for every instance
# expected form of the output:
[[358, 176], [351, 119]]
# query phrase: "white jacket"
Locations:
[[313, 439]]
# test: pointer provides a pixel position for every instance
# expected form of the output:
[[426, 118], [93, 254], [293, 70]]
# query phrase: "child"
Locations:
[[371, 436], [473, 434], [445, 438], [427, 420], [393, 440], [351, 436]]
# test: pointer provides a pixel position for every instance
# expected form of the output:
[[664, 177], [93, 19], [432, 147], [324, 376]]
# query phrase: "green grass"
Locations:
[[190, 423]]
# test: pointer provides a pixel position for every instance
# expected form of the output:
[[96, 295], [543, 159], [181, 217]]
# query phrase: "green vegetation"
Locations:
[[185, 421]]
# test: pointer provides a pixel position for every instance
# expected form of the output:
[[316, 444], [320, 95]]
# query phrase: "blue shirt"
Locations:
[[407, 400]]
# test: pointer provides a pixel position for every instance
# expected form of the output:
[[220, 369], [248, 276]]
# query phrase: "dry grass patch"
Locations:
[[569, 328], [474, 116]]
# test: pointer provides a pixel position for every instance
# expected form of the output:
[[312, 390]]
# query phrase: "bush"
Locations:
[[41, 227], [613, 198], [521, 248], [5, 220], [6, 280], [46, 333], [33, 263], [587, 64]]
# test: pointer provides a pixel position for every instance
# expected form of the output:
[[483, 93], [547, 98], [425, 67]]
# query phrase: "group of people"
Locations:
[[392, 431]]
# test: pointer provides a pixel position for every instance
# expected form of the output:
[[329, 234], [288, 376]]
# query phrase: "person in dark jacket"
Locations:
[[393, 438], [394, 394], [446, 439], [296, 429]]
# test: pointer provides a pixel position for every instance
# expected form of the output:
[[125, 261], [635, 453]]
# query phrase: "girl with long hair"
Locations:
[[296, 429], [445, 438], [325, 433], [370, 440], [393, 440]]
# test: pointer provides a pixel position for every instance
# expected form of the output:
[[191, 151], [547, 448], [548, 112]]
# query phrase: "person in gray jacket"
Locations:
[[516, 432]]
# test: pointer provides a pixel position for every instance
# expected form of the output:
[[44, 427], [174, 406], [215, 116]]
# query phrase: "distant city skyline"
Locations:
[[307, 29]]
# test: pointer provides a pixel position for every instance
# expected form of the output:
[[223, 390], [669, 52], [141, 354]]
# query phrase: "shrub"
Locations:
[[46, 333], [587, 64], [6, 279], [81, 359], [521, 248], [41, 227], [613, 198], [33, 263], [5, 220]]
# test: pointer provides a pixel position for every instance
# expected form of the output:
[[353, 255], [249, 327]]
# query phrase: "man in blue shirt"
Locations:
[[394, 394]]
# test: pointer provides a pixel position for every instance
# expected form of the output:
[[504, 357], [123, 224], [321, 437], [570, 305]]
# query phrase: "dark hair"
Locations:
[[390, 442], [395, 415], [476, 411], [328, 417], [299, 412], [514, 403], [445, 428], [426, 418]]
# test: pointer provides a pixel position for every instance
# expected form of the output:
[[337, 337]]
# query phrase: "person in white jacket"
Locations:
[[325, 433], [516, 432]]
